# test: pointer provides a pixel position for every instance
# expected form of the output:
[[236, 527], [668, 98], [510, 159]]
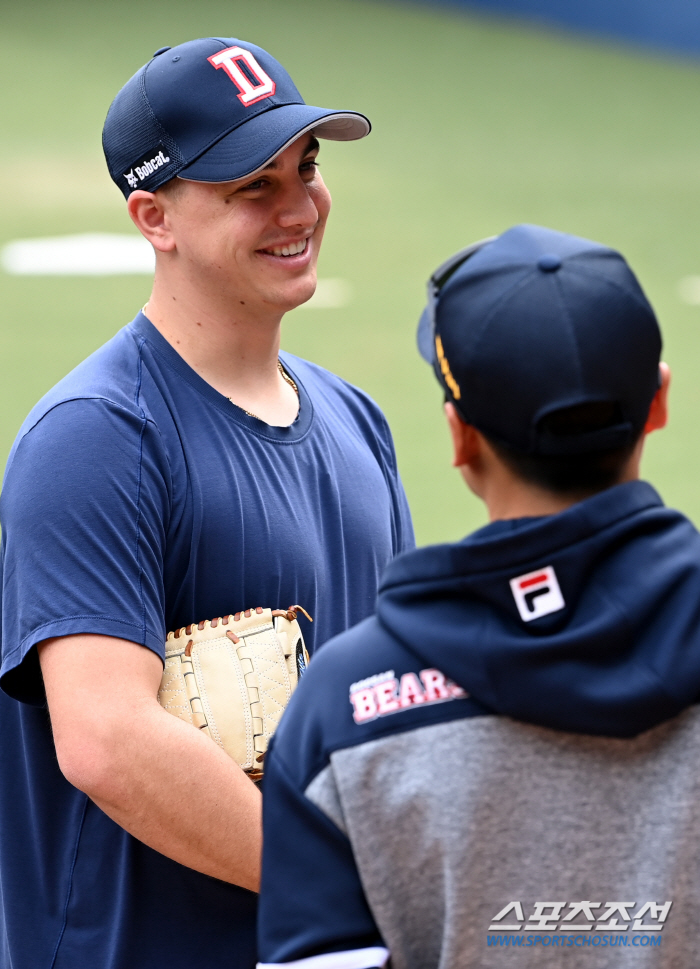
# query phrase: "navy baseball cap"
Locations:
[[533, 322], [211, 110]]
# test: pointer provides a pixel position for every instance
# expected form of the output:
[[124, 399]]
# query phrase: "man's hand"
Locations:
[[157, 777]]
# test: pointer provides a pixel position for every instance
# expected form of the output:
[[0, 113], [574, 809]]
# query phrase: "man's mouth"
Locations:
[[293, 249]]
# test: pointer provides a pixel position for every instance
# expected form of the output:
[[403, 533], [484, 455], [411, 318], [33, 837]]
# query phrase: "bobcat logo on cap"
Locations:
[[537, 594], [245, 72], [147, 166]]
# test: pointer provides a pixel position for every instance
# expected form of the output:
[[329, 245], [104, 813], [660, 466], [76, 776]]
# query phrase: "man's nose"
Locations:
[[297, 207]]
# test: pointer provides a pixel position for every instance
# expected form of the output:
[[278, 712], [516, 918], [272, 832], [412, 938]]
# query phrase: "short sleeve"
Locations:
[[84, 513]]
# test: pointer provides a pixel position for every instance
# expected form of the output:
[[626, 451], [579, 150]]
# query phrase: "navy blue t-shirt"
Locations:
[[138, 499]]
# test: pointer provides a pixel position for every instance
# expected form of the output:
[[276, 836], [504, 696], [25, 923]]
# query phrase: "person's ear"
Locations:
[[149, 215], [465, 441], [658, 411]]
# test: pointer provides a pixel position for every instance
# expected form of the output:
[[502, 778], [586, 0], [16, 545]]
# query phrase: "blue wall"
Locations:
[[665, 24]]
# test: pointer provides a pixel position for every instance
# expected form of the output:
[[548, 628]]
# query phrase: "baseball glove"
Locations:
[[232, 678]]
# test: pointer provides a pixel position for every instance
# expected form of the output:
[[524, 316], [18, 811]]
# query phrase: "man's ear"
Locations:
[[149, 215], [658, 412], [465, 440]]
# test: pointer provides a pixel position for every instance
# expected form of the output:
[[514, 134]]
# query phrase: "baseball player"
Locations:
[[508, 754], [187, 470]]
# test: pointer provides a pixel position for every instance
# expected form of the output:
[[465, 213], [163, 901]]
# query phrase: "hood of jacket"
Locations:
[[614, 586]]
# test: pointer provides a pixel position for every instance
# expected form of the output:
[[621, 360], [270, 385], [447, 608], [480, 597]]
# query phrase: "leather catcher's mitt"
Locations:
[[232, 677]]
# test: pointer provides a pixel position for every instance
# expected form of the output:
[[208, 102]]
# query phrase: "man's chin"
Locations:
[[289, 297]]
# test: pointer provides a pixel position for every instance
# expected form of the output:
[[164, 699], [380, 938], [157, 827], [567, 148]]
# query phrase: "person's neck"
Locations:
[[231, 345], [527, 503], [506, 495], [513, 498]]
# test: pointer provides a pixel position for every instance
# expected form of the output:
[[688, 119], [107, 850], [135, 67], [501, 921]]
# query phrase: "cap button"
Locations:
[[161, 50], [549, 263]]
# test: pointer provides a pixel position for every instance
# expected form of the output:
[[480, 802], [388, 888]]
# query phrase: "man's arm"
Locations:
[[160, 779]]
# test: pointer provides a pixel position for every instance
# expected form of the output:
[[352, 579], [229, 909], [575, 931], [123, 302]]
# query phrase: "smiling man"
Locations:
[[186, 470]]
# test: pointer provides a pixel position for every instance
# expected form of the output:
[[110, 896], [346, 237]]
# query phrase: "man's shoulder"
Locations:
[[111, 373], [328, 389], [97, 400], [345, 410]]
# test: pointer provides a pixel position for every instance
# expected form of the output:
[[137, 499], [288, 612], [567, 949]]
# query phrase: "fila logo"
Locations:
[[537, 594], [384, 693], [245, 72]]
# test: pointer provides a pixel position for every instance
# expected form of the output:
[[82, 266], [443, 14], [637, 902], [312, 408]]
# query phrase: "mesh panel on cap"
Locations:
[[131, 125]]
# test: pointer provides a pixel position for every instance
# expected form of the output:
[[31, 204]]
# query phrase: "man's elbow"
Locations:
[[90, 763], [101, 721]]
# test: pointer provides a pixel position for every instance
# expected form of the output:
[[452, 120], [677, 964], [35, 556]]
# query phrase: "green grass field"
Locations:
[[478, 124]]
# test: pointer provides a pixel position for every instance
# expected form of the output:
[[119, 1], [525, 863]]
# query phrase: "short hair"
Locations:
[[172, 188], [572, 474]]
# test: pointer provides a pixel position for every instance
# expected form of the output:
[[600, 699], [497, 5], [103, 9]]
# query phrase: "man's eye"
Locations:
[[254, 186], [308, 166]]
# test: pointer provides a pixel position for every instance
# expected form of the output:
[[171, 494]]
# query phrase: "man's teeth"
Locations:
[[292, 250]]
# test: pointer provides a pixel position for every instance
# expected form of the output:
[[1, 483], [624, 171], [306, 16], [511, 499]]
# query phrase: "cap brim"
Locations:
[[426, 342], [254, 144]]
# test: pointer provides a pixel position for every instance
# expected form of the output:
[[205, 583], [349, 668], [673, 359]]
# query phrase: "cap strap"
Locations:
[[441, 276]]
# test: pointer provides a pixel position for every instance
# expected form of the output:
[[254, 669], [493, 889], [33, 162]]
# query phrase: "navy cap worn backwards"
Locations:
[[533, 322], [211, 110]]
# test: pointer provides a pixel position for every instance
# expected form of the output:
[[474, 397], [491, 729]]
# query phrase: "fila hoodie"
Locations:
[[507, 755]]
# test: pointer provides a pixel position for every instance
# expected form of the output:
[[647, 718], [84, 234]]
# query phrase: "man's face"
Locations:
[[234, 235]]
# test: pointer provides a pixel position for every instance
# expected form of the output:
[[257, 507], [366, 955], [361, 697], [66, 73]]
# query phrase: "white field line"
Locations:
[[88, 254], [689, 290]]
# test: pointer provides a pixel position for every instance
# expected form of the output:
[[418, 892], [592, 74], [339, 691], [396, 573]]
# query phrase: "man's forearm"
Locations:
[[183, 796], [159, 778]]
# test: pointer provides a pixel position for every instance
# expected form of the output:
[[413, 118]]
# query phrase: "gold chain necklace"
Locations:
[[286, 377]]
